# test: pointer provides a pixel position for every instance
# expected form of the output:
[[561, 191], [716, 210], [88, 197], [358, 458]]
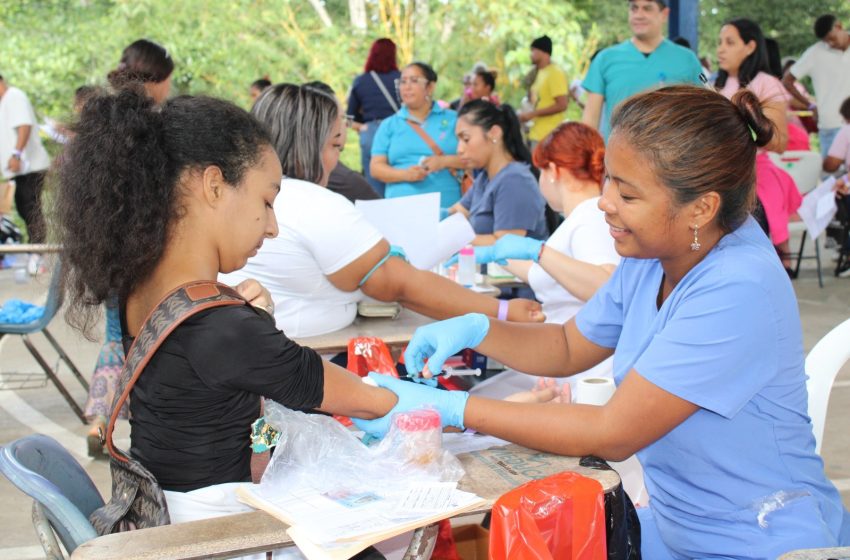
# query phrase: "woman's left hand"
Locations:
[[523, 310], [256, 294], [433, 163]]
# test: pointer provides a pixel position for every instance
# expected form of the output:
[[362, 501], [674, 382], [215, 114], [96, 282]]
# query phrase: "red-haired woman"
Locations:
[[578, 258], [373, 98]]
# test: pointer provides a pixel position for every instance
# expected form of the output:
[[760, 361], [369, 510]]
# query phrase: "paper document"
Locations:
[[407, 221], [818, 207], [326, 526], [413, 223], [453, 234]]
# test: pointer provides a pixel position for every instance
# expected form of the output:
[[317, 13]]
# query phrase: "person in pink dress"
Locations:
[[742, 58]]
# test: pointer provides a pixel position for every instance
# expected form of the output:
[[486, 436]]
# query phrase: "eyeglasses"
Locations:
[[415, 80]]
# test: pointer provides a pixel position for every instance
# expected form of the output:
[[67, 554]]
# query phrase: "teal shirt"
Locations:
[[621, 71], [404, 148]]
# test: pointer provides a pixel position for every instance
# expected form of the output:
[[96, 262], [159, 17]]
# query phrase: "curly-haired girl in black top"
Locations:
[[149, 199]]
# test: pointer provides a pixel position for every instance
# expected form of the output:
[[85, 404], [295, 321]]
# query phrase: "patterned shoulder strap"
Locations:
[[176, 307]]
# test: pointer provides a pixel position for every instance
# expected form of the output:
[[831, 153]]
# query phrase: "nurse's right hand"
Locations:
[[416, 173], [438, 341], [509, 246]]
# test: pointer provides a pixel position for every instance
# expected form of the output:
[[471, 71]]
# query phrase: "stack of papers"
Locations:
[[818, 207], [336, 526]]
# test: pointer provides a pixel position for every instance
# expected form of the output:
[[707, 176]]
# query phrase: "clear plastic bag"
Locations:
[[315, 451]]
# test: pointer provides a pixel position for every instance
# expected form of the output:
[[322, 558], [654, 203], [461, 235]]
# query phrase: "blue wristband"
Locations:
[[395, 251]]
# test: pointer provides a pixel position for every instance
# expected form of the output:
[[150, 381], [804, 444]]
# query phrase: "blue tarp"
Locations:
[[20, 312]]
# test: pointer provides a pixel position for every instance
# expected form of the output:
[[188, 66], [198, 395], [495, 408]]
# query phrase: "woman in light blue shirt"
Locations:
[[414, 151], [703, 325]]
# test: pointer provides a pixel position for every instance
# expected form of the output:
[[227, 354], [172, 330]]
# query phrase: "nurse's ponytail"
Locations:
[[486, 115]]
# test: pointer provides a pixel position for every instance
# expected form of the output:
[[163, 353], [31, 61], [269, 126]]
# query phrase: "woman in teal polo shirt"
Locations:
[[414, 151]]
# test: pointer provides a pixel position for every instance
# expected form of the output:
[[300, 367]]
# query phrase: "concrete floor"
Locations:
[[42, 409]]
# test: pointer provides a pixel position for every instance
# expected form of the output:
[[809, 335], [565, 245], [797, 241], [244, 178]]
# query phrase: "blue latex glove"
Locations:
[[438, 341], [510, 246], [450, 404]]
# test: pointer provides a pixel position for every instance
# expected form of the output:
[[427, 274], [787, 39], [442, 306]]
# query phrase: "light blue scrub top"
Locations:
[[740, 477], [403, 147], [621, 71]]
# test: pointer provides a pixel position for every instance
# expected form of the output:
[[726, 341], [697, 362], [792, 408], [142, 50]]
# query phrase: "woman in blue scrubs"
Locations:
[[703, 325], [415, 150]]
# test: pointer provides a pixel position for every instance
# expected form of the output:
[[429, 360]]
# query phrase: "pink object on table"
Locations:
[[418, 420]]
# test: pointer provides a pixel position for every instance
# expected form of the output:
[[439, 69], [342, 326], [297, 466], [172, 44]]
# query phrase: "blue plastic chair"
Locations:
[[64, 495], [51, 306]]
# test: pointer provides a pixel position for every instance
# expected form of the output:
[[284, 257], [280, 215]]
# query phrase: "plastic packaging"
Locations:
[[315, 451], [421, 434], [559, 517], [466, 266], [370, 353], [622, 523]]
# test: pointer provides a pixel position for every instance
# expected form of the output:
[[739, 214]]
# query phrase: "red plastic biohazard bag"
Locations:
[[561, 517], [365, 354], [370, 353]]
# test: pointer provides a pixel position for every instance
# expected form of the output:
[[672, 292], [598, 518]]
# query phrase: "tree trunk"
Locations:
[[357, 11], [323, 13], [422, 14]]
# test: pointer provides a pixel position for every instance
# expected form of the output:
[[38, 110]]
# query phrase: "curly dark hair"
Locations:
[[119, 182]]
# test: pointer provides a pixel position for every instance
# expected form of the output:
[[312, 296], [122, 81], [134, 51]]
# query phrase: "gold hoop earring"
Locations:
[[695, 246]]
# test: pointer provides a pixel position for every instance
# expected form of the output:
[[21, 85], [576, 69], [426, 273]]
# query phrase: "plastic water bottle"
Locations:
[[466, 266]]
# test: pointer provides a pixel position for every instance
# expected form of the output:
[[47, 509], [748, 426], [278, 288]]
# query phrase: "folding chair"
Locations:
[[63, 494], [51, 306], [805, 168], [822, 365]]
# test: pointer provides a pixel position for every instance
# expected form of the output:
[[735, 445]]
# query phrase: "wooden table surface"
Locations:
[[12, 249], [489, 473], [394, 332]]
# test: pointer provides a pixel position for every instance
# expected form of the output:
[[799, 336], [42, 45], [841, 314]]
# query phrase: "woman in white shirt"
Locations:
[[327, 255], [578, 258]]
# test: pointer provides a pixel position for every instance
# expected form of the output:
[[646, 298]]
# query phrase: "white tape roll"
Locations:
[[594, 390]]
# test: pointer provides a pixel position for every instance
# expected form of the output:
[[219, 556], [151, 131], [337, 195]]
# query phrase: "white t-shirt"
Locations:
[[321, 232], [841, 146], [830, 72], [16, 111], [584, 236]]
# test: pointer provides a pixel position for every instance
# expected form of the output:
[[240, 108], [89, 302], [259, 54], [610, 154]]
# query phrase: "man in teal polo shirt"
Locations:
[[646, 60]]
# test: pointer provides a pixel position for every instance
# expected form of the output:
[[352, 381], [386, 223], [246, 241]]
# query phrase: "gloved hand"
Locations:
[[510, 246], [438, 341], [450, 404]]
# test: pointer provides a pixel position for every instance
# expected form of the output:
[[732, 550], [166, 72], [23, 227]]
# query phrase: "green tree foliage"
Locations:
[[50, 47], [221, 47]]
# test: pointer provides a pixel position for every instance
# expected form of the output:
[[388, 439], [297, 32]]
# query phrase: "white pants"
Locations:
[[217, 501]]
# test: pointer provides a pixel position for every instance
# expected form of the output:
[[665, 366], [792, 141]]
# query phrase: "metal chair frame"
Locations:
[[51, 306]]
